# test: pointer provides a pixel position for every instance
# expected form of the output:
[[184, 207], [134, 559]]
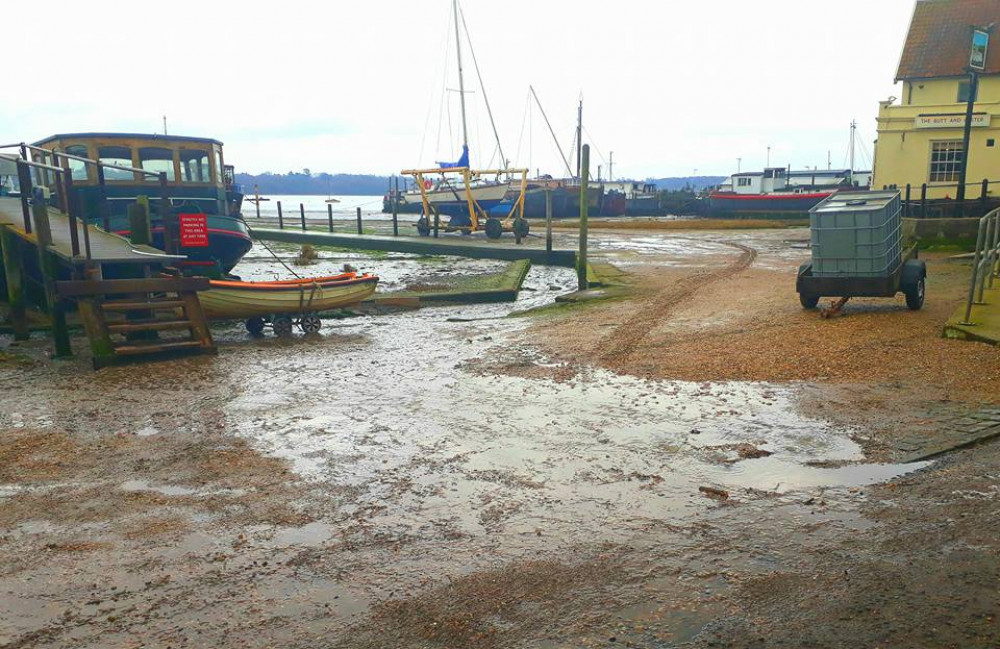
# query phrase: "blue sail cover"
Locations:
[[462, 162]]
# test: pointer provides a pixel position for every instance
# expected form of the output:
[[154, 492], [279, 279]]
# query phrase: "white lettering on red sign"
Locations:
[[194, 230]]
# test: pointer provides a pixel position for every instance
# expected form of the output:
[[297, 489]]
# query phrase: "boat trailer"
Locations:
[[480, 220]]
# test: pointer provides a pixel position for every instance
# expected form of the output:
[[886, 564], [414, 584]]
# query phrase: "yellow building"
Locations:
[[920, 134]]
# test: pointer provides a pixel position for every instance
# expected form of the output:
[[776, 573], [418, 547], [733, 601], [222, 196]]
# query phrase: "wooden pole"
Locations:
[[281, 220], [14, 278], [329, 215], [40, 215], [24, 185], [360, 229], [302, 215], [395, 209], [170, 235], [581, 258], [103, 200], [49, 266], [548, 220], [923, 201], [138, 222]]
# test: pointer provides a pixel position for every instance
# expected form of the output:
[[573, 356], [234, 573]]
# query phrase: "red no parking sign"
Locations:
[[194, 230]]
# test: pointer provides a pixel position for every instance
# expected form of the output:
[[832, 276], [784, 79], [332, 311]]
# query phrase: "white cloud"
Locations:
[[346, 86]]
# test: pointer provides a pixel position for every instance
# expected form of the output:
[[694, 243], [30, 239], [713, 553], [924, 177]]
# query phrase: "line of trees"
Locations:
[[319, 184]]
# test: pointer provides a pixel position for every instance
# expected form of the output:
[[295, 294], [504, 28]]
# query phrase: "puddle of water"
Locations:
[[384, 405], [166, 490], [176, 490], [781, 476], [310, 535], [10, 490]]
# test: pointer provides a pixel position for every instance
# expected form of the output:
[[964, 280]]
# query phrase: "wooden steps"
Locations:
[[133, 305], [153, 324], [160, 347], [150, 307]]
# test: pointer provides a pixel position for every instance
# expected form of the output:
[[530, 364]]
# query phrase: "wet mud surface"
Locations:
[[450, 477]]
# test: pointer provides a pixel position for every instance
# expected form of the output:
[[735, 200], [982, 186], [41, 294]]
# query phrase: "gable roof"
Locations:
[[940, 38]]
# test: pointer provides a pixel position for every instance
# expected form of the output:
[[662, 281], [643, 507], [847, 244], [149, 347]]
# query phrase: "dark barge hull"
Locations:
[[763, 206]]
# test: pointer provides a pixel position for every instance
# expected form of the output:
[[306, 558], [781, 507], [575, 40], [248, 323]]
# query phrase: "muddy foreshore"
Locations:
[[454, 478]]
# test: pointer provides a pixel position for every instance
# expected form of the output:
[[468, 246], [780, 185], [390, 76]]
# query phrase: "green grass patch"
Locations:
[[946, 244], [497, 286]]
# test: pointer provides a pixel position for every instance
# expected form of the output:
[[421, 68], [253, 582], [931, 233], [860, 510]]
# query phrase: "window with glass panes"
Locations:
[[946, 159]]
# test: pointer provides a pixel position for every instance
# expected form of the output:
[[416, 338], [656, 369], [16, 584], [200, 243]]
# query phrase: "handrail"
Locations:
[[67, 187], [985, 263], [96, 163]]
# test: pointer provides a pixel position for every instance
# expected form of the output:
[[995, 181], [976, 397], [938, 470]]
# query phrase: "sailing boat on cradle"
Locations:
[[449, 195]]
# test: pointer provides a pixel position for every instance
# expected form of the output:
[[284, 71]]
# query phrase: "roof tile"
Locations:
[[940, 38]]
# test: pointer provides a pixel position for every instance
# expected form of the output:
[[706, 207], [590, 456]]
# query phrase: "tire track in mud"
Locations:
[[621, 343]]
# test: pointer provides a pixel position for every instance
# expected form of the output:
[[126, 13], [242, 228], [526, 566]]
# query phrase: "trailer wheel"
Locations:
[[423, 227], [494, 229], [808, 301], [255, 326], [282, 326], [520, 227], [310, 323], [915, 295]]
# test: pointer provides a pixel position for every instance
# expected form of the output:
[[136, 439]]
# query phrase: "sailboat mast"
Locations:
[[854, 126], [579, 136], [461, 80], [552, 132]]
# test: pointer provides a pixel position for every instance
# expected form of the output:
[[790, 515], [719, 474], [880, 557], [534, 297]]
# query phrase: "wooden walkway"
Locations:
[[105, 247], [472, 247]]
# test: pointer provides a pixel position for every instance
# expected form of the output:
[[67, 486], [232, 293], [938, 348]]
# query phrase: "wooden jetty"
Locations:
[[465, 247], [68, 258]]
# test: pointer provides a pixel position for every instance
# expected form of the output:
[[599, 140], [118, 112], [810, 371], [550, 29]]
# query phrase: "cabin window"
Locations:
[[946, 158], [120, 156], [963, 92], [78, 169], [194, 167], [157, 160], [742, 182], [218, 163]]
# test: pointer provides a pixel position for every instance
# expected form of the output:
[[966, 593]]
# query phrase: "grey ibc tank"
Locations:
[[856, 234]]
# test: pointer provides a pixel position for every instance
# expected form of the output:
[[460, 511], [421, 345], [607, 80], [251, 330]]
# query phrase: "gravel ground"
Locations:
[[687, 466]]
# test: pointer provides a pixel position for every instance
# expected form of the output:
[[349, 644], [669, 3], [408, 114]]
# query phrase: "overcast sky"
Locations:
[[669, 86]]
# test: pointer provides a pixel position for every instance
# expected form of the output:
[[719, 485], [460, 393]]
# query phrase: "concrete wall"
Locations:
[[940, 229]]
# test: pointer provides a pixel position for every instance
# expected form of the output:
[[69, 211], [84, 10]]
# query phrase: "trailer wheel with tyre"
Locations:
[[282, 325]]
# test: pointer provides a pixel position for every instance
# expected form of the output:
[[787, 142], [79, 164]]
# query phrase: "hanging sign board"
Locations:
[[194, 230], [980, 43], [950, 120]]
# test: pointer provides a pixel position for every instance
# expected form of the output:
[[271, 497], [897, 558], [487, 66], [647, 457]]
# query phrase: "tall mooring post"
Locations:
[[581, 258], [395, 208], [548, 220], [360, 228]]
